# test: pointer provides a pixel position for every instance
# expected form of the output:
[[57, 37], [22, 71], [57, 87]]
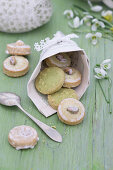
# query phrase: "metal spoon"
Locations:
[[11, 99]]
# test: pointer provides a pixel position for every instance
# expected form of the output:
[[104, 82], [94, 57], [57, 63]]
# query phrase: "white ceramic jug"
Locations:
[[23, 15]]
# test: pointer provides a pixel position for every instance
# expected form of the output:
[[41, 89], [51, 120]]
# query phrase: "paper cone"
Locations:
[[59, 44]]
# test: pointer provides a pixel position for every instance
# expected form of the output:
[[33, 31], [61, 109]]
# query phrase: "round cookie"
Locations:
[[49, 80], [71, 111], [18, 48], [59, 60], [72, 77], [15, 66], [23, 137], [56, 98]]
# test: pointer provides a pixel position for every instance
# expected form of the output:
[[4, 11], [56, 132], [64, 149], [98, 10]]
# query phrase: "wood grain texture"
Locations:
[[88, 146]]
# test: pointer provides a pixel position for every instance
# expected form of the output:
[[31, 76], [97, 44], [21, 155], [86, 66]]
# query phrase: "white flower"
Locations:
[[96, 24], [86, 19], [100, 73], [94, 37], [96, 8], [108, 15], [106, 64], [75, 23], [68, 13]]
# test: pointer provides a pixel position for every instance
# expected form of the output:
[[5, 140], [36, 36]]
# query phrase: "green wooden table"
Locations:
[[88, 146]]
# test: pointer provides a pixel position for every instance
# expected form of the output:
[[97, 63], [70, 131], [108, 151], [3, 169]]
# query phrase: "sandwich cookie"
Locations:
[[23, 137], [15, 66], [72, 77], [18, 48], [59, 60], [71, 111]]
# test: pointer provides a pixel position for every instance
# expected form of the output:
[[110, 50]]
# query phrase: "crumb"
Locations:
[[43, 141], [53, 127]]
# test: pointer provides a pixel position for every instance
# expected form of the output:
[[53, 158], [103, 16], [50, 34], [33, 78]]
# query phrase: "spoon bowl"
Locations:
[[9, 99]]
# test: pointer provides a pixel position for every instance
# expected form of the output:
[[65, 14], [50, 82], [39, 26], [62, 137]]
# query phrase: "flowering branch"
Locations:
[[102, 23], [100, 71]]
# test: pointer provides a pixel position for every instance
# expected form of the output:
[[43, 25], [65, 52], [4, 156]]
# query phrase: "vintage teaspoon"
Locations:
[[11, 99]]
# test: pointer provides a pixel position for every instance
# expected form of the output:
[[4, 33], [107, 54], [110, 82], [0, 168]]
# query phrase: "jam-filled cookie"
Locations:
[[23, 137], [49, 80], [55, 98], [18, 48], [15, 66], [72, 77], [71, 111], [59, 60]]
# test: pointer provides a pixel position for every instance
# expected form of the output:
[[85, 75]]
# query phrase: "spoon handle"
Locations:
[[52, 133]]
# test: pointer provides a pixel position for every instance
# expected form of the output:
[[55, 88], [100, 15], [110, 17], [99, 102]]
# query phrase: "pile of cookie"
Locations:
[[16, 65], [57, 81]]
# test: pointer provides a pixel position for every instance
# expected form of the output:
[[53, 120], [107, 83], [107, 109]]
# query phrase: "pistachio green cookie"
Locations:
[[56, 98], [50, 80]]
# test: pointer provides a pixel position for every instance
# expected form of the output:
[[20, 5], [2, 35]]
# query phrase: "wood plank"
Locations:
[[108, 118], [86, 146]]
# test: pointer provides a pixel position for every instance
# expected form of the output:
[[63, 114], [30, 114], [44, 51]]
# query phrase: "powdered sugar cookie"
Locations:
[[23, 137], [15, 66], [72, 77], [18, 48], [59, 60], [56, 98], [71, 111]]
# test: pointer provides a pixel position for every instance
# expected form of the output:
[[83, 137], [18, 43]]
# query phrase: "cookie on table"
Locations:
[[15, 66], [23, 137], [72, 77], [49, 80], [59, 60], [18, 48], [71, 111], [56, 98]]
